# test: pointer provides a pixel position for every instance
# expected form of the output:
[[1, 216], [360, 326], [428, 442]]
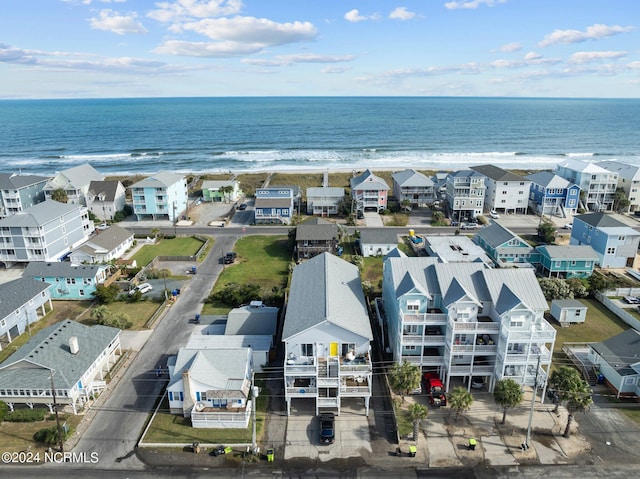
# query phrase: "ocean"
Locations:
[[198, 135]]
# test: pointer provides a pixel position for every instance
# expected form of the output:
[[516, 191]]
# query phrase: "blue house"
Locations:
[[274, 205], [567, 261], [615, 243], [504, 247], [68, 281], [552, 194], [162, 196]]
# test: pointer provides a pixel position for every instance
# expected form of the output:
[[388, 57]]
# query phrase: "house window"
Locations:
[[629, 380], [71, 281], [413, 305], [577, 312], [346, 347], [81, 292], [181, 396], [3, 323], [573, 263], [410, 328], [307, 349], [516, 323], [587, 264], [558, 264], [170, 395], [621, 238], [410, 348], [611, 250]]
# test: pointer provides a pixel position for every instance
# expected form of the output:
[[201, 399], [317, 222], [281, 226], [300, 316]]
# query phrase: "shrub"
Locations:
[[235, 294], [27, 415], [49, 435], [4, 410]]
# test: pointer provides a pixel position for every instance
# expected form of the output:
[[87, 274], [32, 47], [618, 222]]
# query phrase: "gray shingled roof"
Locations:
[[61, 269], [548, 179], [379, 236], [39, 214], [317, 231], [252, 320], [368, 181], [163, 178], [626, 171], [29, 366], [573, 252], [420, 269], [326, 289], [105, 240], [496, 173], [257, 342], [412, 178], [15, 294], [468, 275], [495, 235], [108, 188], [10, 181], [325, 191], [620, 351], [601, 220]]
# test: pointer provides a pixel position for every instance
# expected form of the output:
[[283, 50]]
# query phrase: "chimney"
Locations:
[[73, 345]]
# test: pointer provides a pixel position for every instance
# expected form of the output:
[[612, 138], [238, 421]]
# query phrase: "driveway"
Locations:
[[372, 219]]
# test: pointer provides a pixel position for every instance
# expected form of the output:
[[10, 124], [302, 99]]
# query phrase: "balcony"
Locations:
[[484, 325], [300, 366], [432, 316], [470, 369], [424, 360], [420, 340]]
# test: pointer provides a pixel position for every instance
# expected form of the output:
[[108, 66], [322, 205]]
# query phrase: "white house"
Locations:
[[628, 180], [75, 357], [104, 246], [163, 195], [324, 201], [105, 198], [211, 386], [74, 182], [377, 241], [506, 192], [598, 184], [327, 335], [568, 311], [221, 191], [414, 187]]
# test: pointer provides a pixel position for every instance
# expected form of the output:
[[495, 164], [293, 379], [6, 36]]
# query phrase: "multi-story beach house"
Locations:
[[162, 196], [504, 247], [106, 198], [506, 192], [598, 184], [628, 180], [465, 320], [221, 191], [465, 193], [314, 237], [324, 200], [414, 187], [368, 192], [327, 335], [551, 194], [68, 281], [18, 192], [47, 231], [24, 302], [566, 261], [615, 243], [274, 205], [74, 182]]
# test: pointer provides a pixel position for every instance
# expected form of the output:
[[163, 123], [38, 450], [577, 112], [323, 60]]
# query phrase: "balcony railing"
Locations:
[[424, 360], [436, 317], [301, 391], [474, 327], [418, 339], [471, 369]]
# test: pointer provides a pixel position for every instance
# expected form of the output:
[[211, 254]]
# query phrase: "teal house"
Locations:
[[568, 261], [68, 281], [504, 247]]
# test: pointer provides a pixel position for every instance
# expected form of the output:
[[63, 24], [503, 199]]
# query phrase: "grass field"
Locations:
[[167, 247], [139, 312], [18, 436]]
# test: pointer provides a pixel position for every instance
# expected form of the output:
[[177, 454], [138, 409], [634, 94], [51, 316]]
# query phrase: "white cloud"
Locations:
[[180, 10], [634, 65], [532, 56], [115, 22], [333, 69], [594, 32], [354, 16], [285, 60], [472, 4], [511, 47], [88, 2], [587, 57], [206, 49], [401, 13]]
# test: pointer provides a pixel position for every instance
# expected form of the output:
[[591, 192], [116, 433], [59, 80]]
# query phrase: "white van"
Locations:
[[142, 287]]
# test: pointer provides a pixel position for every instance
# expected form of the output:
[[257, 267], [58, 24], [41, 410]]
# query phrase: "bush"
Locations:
[[49, 435], [235, 294], [4, 410], [27, 415]]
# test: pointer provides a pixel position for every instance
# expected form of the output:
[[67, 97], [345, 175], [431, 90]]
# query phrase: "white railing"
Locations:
[[328, 402], [423, 317], [423, 340], [354, 390], [301, 391], [474, 327]]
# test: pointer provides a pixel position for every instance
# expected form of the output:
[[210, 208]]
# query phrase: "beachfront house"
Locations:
[[465, 320], [253, 319], [104, 246], [504, 247], [566, 261], [455, 249], [106, 198], [551, 194], [506, 192], [598, 184], [274, 205], [324, 200], [74, 182], [465, 194], [617, 360], [162, 196], [413, 187], [24, 301], [315, 236], [218, 191], [377, 241], [615, 243], [568, 311], [47, 231], [211, 386], [327, 335], [73, 357], [18, 192], [368, 192], [628, 180], [68, 281]]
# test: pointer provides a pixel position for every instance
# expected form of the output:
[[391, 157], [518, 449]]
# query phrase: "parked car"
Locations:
[[327, 428], [494, 214], [477, 383], [229, 258], [243, 206], [568, 226], [142, 287], [470, 226]]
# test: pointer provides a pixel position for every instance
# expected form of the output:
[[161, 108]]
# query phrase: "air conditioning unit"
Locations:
[[200, 406]]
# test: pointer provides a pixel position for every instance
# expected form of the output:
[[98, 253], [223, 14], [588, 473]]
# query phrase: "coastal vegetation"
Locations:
[[184, 246]]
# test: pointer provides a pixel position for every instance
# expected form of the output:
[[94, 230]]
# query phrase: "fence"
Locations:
[[618, 311]]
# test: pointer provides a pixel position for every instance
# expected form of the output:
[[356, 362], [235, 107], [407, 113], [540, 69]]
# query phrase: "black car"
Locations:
[[243, 206], [327, 428], [229, 258]]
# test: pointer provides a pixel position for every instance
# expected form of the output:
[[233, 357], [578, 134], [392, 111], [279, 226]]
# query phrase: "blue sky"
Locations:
[[144, 48]]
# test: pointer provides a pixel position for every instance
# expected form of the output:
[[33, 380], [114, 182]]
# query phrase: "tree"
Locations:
[[417, 412], [547, 232], [620, 200], [155, 232], [236, 294], [598, 282], [555, 288], [404, 378], [460, 400], [570, 387], [49, 435], [507, 394], [579, 287], [59, 195], [406, 204], [100, 313], [107, 294], [225, 190]]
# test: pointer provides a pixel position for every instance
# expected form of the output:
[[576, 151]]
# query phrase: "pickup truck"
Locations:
[[327, 428]]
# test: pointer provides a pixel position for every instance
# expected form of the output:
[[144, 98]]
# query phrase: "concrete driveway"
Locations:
[[372, 219]]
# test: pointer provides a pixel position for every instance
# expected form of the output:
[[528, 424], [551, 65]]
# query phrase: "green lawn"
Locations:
[[167, 247], [599, 325], [139, 312], [372, 272]]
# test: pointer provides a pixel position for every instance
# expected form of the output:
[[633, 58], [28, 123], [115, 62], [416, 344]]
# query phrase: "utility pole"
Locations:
[[55, 409], [175, 221], [533, 403], [254, 395]]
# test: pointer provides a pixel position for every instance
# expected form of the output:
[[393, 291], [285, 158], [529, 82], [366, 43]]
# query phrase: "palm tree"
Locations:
[[225, 191], [460, 400], [571, 388], [507, 394], [561, 380], [417, 412], [404, 378], [59, 195]]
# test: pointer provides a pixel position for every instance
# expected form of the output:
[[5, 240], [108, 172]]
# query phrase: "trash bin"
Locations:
[[196, 447], [600, 378], [412, 451], [197, 320], [472, 444], [270, 455]]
